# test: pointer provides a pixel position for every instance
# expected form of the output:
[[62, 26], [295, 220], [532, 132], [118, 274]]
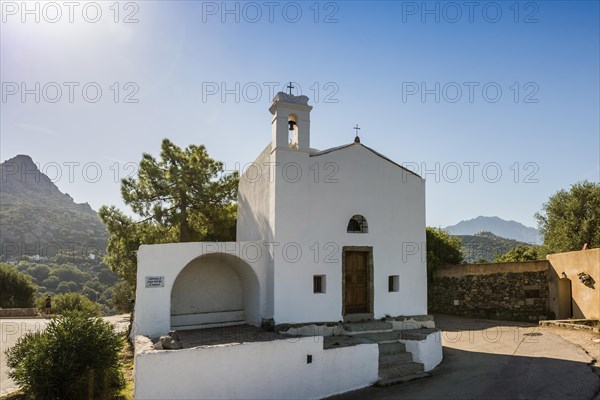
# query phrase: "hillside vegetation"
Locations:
[[485, 246], [44, 234]]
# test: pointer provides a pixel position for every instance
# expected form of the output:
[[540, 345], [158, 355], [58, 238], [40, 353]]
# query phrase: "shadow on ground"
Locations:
[[485, 359], [472, 375]]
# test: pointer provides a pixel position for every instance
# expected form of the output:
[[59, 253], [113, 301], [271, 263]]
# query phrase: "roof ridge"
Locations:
[[332, 149]]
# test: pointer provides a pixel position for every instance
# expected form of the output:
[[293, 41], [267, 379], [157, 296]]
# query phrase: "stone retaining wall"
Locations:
[[510, 291], [17, 312]]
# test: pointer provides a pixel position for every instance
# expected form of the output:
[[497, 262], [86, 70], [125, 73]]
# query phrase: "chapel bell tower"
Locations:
[[290, 126]]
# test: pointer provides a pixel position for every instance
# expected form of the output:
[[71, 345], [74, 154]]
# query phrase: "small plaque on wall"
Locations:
[[155, 281]]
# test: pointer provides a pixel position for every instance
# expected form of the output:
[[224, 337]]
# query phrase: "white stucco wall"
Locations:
[[315, 198], [428, 351], [206, 285], [253, 221], [263, 370], [244, 260]]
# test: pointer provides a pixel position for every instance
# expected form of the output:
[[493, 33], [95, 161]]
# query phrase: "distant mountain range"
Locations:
[[499, 227], [37, 218]]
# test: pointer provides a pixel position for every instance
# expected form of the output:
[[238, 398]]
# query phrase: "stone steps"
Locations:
[[391, 348], [396, 365], [400, 369], [368, 317], [416, 334], [388, 360], [401, 379], [380, 337]]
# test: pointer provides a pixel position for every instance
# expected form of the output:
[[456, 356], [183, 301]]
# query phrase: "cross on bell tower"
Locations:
[[356, 138], [290, 87]]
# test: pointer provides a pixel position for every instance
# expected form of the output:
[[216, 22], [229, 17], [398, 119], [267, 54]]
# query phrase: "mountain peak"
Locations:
[[35, 213], [22, 171], [20, 162], [486, 218], [21, 158]]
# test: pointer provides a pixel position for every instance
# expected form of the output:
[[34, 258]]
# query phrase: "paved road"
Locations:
[[12, 329], [498, 360]]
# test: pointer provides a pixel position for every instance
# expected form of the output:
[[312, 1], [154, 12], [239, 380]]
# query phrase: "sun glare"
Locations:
[[69, 23]]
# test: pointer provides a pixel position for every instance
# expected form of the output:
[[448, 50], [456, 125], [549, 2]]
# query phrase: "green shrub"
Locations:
[[122, 295], [16, 289], [76, 357], [67, 287], [51, 282], [522, 253], [66, 302]]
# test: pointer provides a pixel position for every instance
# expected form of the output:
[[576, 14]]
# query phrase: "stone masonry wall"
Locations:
[[17, 312], [508, 291]]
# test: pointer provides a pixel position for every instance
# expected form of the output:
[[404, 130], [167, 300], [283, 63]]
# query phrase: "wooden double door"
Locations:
[[358, 281]]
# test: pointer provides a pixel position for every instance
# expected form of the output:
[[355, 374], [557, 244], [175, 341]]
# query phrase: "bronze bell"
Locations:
[[292, 124]]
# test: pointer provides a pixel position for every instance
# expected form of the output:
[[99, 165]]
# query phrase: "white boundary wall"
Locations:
[[259, 370]]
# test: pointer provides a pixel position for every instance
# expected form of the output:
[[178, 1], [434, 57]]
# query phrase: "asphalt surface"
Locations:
[[498, 360]]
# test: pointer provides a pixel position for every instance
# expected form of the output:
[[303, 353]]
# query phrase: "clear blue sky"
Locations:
[[368, 62]]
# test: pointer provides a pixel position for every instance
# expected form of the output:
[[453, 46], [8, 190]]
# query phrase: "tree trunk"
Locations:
[[184, 227]]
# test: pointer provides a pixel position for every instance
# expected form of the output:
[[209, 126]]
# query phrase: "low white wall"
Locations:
[[428, 351], [260, 370]]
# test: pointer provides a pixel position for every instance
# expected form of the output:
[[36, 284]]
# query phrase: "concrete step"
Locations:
[[389, 360], [416, 334], [391, 348], [401, 379], [402, 369], [370, 326], [358, 317], [335, 342], [380, 337]]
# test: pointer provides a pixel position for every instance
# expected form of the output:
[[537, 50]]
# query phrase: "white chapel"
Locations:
[[322, 236]]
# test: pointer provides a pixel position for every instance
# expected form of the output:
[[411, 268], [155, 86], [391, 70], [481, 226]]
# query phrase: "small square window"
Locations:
[[319, 284], [393, 283]]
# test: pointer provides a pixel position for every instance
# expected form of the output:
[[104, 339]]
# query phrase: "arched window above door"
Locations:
[[358, 224]]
